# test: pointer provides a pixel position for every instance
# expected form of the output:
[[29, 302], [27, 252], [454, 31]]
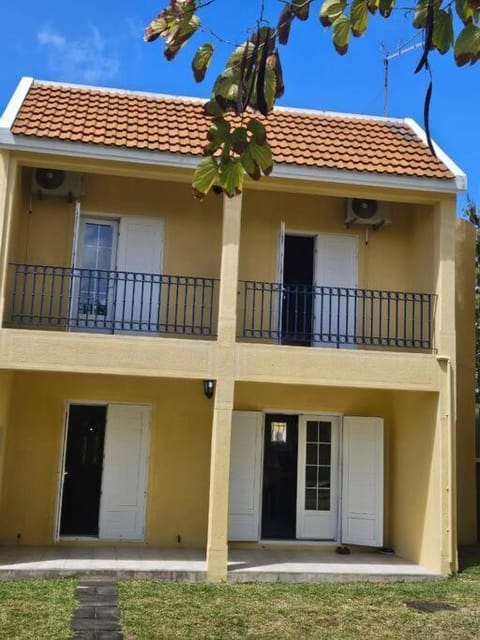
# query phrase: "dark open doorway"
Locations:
[[297, 290], [83, 470], [279, 505]]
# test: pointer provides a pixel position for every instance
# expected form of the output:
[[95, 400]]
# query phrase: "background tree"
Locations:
[[472, 213], [252, 80]]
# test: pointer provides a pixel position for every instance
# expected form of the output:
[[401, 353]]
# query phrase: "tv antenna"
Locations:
[[386, 60]]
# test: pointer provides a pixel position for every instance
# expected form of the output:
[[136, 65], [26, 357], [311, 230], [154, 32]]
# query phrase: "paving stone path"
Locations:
[[97, 616]]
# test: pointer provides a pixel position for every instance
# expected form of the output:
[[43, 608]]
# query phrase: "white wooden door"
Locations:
[[362, 508], [336, 269], [93, 283], [139, 267], [317, 483], [124, 480], [245, 470]]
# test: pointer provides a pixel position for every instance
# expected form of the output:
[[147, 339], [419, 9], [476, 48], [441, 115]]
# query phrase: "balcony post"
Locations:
[[217, 547], [8, 175], [445, 342]]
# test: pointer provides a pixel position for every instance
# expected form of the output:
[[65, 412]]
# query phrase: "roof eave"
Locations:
[[13, 107], [30, 144]]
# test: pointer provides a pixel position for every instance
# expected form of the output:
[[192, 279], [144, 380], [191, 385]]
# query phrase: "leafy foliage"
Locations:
[[252, 79]]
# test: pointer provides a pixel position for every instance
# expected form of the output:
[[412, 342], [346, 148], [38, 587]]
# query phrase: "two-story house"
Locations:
[[282, 368]]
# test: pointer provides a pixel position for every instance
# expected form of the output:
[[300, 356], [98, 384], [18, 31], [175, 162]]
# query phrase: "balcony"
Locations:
[[120, 302], [337, 317]]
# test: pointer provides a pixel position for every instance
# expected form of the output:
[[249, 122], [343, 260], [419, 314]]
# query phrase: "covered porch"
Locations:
[[189, 565]]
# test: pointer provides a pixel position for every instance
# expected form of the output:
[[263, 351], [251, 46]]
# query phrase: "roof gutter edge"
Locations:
[[459, 174], [29, 144]]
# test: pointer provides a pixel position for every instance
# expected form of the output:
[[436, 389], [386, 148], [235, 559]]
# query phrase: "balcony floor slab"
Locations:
[[189, 565]]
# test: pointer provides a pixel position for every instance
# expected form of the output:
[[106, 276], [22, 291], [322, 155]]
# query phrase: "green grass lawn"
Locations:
[[36, 609], [324, 611], [41, 610]]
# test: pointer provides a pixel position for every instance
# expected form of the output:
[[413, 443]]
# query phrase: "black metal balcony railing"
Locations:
[[336, 316], [111, 301]]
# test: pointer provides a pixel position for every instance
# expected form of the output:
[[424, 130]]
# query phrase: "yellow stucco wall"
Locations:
[[44, 228], [398, 256], [5, 394], [415, 479], [464, 320], [177, 502]]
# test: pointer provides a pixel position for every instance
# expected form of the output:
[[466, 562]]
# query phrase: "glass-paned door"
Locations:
[[317, 478], [94, 282]]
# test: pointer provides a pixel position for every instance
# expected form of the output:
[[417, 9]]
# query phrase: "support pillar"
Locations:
[[217, 545], [8, 176], [445, 340]]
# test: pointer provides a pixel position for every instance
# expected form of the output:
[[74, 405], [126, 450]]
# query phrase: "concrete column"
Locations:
[[465, 332], [445, 341], [8, 175], [217, 547]]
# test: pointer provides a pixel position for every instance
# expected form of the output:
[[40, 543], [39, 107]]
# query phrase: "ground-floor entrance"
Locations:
[[306, 477], [104, 472]]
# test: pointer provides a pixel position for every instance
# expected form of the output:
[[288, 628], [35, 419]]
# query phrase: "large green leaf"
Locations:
[[231, 177], [385, 7], [226, 87], [155, 29], [331, 10], [239, 140], [213, 109], [178, 36], [465, 11], [270, 90], [201, 60], [467, 45], [258, 131], [249, 164], [300, 8], [235, 59], [443, 30], [359, 17], [341, 34], [421, 10], [205, 176], [262, 154], [219, 130]]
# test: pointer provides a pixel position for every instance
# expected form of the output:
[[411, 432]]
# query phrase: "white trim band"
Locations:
[[292, 172], [16, 101]]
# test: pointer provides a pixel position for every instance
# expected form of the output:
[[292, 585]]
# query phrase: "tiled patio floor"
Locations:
[[245, 565]]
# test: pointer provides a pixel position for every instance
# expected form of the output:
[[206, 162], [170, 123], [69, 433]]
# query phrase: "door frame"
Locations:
[[110, 217], [335, 466], [62, 459], [285, 231], [85, 216], [336, 416]]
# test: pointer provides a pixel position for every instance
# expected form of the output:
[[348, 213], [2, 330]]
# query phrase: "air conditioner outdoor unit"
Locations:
[[57, 183], [364, 211]]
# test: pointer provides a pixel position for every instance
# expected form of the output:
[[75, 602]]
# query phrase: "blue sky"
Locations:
[[100, 43]]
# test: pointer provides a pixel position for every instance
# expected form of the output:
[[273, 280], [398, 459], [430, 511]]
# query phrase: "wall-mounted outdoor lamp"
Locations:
[[208, 388]]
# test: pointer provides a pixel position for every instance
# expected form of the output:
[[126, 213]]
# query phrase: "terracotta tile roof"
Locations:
[[178, 125]]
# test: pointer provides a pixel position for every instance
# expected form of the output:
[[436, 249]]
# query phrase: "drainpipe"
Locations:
[[448, 418]]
